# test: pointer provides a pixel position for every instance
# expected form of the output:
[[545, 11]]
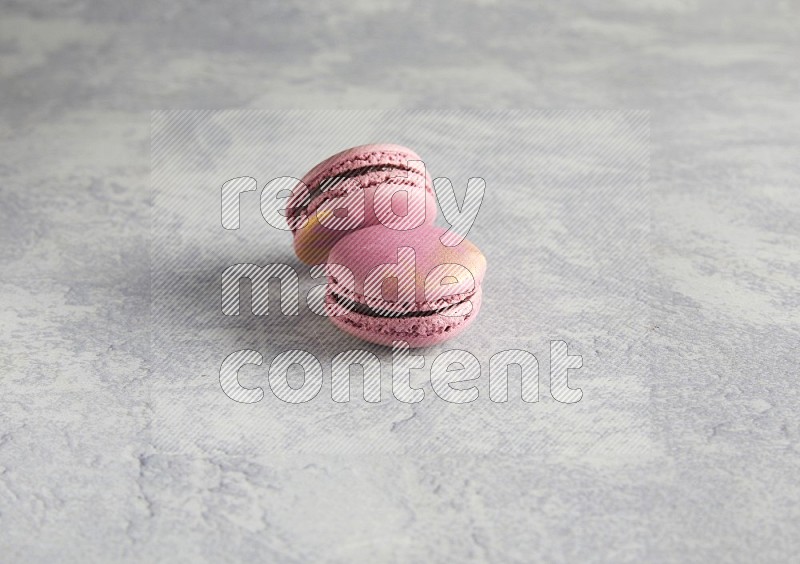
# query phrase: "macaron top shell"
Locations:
[[352, 177], [439, 272]]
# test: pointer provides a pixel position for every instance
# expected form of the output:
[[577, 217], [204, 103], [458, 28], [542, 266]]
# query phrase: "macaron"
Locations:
[[386, 285], [357, 188]]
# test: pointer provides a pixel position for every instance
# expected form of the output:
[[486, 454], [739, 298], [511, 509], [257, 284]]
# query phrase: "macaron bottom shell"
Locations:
[[416, 330]]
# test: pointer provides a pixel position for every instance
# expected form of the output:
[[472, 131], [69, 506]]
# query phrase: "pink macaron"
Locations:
[[357, 188], [386, 285]]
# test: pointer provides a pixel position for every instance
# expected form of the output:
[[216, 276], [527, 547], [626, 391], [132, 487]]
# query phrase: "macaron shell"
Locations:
[[349, 160], [424, 331], [313, 241], [357, 157], [367, 248]]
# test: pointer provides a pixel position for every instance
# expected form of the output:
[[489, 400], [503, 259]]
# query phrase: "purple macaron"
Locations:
[[386, 285], [358, 188]]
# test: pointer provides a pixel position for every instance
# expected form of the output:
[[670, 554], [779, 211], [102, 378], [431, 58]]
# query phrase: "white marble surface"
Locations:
[[703, 466]]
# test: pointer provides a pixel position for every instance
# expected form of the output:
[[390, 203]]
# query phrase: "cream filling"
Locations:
[[364, 309]]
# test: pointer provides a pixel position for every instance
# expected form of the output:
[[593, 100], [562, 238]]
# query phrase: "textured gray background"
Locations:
[[716, 478]]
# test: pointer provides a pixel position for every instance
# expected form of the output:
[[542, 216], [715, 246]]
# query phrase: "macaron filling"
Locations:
[[420, 310], [418, 330]]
